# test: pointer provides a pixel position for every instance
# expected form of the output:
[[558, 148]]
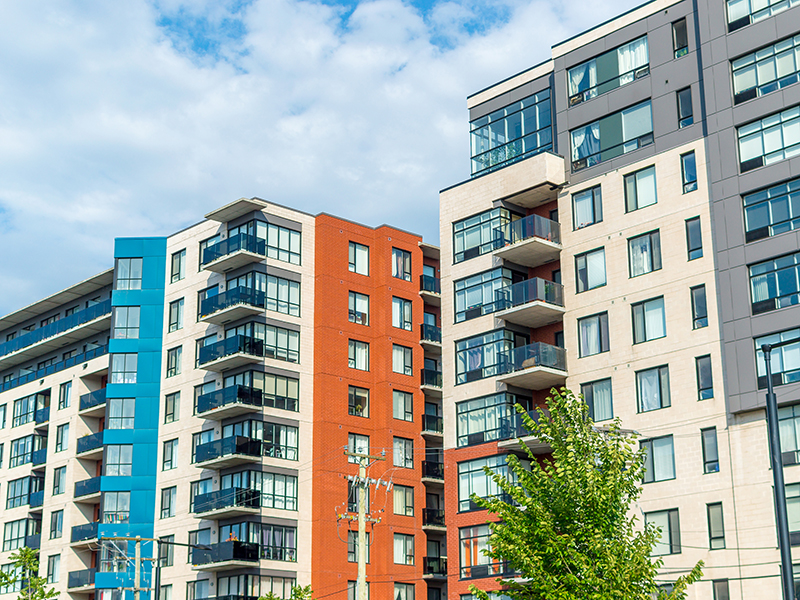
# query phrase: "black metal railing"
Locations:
[[537, 354], [42, 415], [430, 333], [433, 470], [436, 565], [229, 446], [54, 368], [83, 578], [225, 551], [235, 394], [87, 486], [431, 377], [56, 328], [93, 399], [87, 531], [228, 497], [530, 290], [89, 442], [433, 516], [232, 345], [532, 226], [232, 297], [429, 283], [241, 241], [432, 423]]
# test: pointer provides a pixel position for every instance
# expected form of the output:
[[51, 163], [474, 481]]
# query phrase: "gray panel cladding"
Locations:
[[515, 95]]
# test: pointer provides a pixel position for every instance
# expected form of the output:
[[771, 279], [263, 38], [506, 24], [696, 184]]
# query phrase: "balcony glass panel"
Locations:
[[232, 297], [225, 551], [54, 368], [229, 346], [225, 498], [228, 446], [235, 394], [235, 243], [93, 399], [531, 290], [532, 226], [81, 578]]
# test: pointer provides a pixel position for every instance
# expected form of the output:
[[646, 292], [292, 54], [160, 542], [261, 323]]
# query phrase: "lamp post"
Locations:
[[776, 461]]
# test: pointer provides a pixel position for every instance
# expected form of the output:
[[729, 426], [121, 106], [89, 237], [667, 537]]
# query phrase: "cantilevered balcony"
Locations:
[[432, 472], [42, 416], [431, 338], [93, 404], [229, 402], [228, 452], [87, 491], [84, 535], [227, 503], [80, 581], [433, 519], [537, 366], [225, 556], [34, 541], [431, 382], [513, 431], [531, 303], [232, 305], [232, 352], [60, 366], [434, 567], [430, 290], [90, 446], [530, 242], [36, 500], [432, 426], [237, 251], [39, 457]]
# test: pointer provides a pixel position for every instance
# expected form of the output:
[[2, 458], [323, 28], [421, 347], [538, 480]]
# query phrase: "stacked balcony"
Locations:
[[431, 382], [227, 503], [537, 366], [81, 581], [228, 452], [529, 242], [232, 352], [432, 427], [232, 305], [87, 491], [90, 446], [431, 338], [84, 536], [532, 303], [432, 472], [430, 290], [93, 404], [434, 567], [237, 251], [225, 556], [229, 402]]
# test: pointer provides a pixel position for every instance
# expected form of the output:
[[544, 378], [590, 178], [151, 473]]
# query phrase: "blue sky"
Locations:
[[136, 118]]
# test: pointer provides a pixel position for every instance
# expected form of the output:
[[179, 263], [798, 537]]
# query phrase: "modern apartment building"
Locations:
[[630, 231], [204, 392]]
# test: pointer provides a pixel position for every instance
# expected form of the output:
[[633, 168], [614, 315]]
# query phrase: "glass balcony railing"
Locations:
[[227, 498], [432, 378], [36, 499], [537, 354], [532, 226], [530, 290], [228, 446], [512, 425], [434, 565], [89, 442], [428, 283], [433, 516], [84, 578], [39, 457], [56, 328], [433, 470], [229, 346], [235, 394], [93, 399], [87, 486], [430, 333], [432, 423], [54, 368], [232, 297], [88, 531], [241, 241], [42, 415], [33, 541], [225, 551]]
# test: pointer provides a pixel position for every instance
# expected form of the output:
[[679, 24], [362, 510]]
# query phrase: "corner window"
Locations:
[[652, 389], [667, 522], [608, 71], [705, 384], [708, 437], [684, 103], [649, 321], [402, 360], [644, 253], [766, 70], [694, 238], [743, 12], [593, 335], [358, 308], [699, 309], [358, 401], [126, 322], [612, 136], [482, 356], [479, 233], [716, 527], [123, 368], [659, 462], [680, 38], [640, 189], [785, 359], [772, 211], [129, 274], [597, 396], [479, 294], [590, 270], [587, 208], [401, 313], [775, 283], [358, 355], [178, 270], [688, 172], [769, 140], [472, 479], [401, 264], [358, 261]]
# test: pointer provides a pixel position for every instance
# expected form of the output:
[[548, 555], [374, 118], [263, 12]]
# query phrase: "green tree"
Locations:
[[570, 529], [298, 593], [26, 571]]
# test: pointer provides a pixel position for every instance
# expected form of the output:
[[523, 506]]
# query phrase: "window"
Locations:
[[166, 549], [126, 323], [178, 271], [403, 549], [24, 410], [472, 479], [59, 480], [474, 563], [170, 455], [403, 455], [113, 556], [358, 401], [14, 534], [176, 315], [486, 418], [587, 208], [401, 359], [699, 311], [283, 295], [401, 264], [123, 368], [705, 385], [590, 270], [511, 133], [21, 450], [716, 528], [785, 359], [283, 244], [16, 574], [688, 172], [53, 568], [652, 388], [64, 395], [766, 70], [358, 355], [352, 497], [352, 546], [608, 71], [62, 437], [404, 500], [479, 234], [403, 405], [116, 507], [198, 488], [649, 322], [789, 424], [168, 497], [202, 437], [694, 240], [644, 253], [721, 589], [174, 361], [120, 413], [793, 508], [2, 416], [743, 12], [197, 590], [129, 274], [17, 492], [659, 462], [358, 444], [119, 459], [597, 396], [358, 308], [359, 258], [401, 313], [172, 404], [772, 211], [593, 335], [352, 590], [483, 355], [775, 283], [667, 522], [684, 102], [680, 38], [773, 138], [478, 295], [56, 524], [640, 189], [611, 136], [404, 591]]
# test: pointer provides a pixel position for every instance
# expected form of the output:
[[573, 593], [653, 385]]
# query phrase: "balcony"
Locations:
[[33, 541], [434, 567], [432, 426], [430, 336], [537, 366], [227, 503], [54, 336], [88, 490], [59, 366], [432, 472], [42, 415], [430, 290], [513, 433], [36, 499], [90, 446], [431, 382], [229, 402], [84, 535], [78, 581], [530, 242], [232, 352], [532, 303], [237, 251], [433, 519], [93, 404], [39, 457], [225, 556], [232, 305], [228, 452]]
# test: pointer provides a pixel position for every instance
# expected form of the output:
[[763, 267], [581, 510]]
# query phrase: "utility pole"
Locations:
[[363, 484], [137, 578]]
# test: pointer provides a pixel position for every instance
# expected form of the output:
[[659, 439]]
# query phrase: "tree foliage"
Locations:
[[26, 571], [570, 529], [298, 593]]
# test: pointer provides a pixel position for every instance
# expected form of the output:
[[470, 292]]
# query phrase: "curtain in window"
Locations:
[[601, 396], [596, 269], [582, 78], [646, 187], [663, 458], [590, 336], [584, 209], [661, 519], [789, 434], [630, 57], [654, 319], [649, 390], [586, 141], [640, 255], [637, 121]]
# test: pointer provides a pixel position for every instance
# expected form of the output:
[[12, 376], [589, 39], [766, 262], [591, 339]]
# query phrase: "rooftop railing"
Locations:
[[54, 368]]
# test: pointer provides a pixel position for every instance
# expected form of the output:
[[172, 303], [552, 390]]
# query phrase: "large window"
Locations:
[[597, 395], [587, 208], [358, 355], [766, 70], [608, 71], [769, 140], [473, 542], [116, 507], [590, 270], [123, 368], [667, 522], [401, 264], [793, 506], [483, 355], [120, 413], [659, 463], [278, 391], [486, 419], [129, 273], [775, 283], [511, 133], [401, 313], [611, 136], [358, 308], [649, 322], [403, 500], [644, 253], [699, 310], [785, 359], [403, 549], [743, 12], [401, 359], [772, 211], [119, 459], [472, 479], [17, 492], [402, 405], [705, 381], [14, 534], [652, 388], [593, 334], [479, 234], [358, 258], [282, 244], [403, 453], [126, 322], [640, 189], [283, 295], [478, 295], [24, 410], [21, 451]]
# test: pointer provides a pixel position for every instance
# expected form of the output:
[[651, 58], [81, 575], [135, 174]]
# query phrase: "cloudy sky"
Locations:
[[136, 118]]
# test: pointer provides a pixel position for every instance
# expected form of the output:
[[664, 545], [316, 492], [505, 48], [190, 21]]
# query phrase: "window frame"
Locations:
[[401, 264], [631, 183], [716, 538], [404, 459], [582, 271], [354, 395], [357, 300], [588, 393], [689, 172], [402, 360], [405, 543], [639, 320], [653, 253], [176, 313], [131, 266], [710, 459], [353, 349], [699, 320], [178, 266], [354, 264], [663, 388], [595, 197], [656, 474], [685, 119], [603, 339], [704, 392], [673, 534], [694, 238], [406, 411]]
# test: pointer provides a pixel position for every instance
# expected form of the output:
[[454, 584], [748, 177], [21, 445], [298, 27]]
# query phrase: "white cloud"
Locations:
[[111, 126]]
